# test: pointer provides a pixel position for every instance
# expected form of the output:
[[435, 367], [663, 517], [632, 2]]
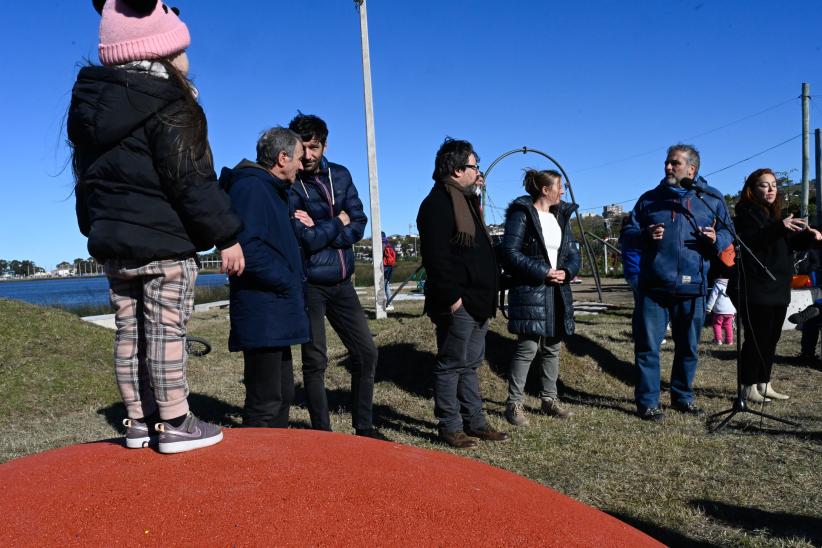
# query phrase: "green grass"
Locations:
[[751, 485], [364, 272]]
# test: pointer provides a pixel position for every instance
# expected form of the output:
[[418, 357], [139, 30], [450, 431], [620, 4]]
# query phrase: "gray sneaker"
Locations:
[[515, 414], [138, 434], [192, 434]]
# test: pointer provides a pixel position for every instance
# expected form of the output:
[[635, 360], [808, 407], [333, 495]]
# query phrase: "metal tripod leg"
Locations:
[[740, 406]]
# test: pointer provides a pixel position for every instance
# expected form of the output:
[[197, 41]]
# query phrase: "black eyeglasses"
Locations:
[[472, 166]]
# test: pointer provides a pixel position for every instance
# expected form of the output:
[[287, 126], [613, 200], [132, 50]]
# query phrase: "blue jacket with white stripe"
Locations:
[[678, 264]]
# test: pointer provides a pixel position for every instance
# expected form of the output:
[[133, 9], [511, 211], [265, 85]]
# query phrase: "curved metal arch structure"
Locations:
[[526, 150]]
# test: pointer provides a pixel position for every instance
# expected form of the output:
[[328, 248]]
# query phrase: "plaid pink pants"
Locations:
[[152, 304]]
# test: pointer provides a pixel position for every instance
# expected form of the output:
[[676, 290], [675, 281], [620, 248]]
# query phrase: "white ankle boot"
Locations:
[[767, 390], [752, 395]]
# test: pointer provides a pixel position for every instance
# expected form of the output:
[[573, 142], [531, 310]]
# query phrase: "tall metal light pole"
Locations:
[[373, 182]]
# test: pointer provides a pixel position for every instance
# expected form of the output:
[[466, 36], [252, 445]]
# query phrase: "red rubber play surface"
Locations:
[[287, 487]]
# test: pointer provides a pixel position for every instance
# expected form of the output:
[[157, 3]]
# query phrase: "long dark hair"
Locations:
[[192, 146], [190, 120], [748, 196]]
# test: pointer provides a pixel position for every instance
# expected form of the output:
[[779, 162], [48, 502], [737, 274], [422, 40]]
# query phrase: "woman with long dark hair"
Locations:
[[762, 302], [148, 200], [540, 253]]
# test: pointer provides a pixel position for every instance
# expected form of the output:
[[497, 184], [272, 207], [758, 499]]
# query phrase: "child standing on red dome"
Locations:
[[148, 200]]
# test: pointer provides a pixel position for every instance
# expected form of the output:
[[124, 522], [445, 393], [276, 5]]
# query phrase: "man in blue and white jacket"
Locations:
[[677, 234], [329, 219]]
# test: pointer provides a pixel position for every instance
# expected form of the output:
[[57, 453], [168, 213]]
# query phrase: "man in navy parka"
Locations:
[[677, 234], [267, 303]]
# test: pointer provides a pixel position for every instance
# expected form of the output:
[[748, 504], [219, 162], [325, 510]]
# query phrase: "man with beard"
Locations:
[[329, 219], [460, 292], [677, 234]]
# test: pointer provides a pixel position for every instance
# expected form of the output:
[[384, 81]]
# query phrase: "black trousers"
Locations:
[[340, 304], [269, 387], [761, 329], [810, 334]]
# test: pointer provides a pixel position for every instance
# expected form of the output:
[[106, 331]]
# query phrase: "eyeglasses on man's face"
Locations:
[[475, 167]]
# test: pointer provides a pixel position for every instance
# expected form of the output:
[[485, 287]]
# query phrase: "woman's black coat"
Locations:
[[532, 304], [773, 245]]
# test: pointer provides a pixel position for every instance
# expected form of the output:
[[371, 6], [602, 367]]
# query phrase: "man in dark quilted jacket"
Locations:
[[328, 220]]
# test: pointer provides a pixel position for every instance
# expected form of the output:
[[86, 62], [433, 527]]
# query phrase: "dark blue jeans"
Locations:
[[387, 272], [340, 304], [460, 350], [687, 315]]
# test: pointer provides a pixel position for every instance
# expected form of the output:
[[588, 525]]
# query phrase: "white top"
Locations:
[[552, 234], [718, 300]]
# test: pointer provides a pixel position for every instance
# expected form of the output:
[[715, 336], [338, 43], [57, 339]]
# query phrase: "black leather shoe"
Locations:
[[805, 315], [689, 408], [458, 439], [487, 434], [372, 433], [651, 414]]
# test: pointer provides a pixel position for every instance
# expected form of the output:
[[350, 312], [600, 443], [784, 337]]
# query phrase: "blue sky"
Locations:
[[602, 86]]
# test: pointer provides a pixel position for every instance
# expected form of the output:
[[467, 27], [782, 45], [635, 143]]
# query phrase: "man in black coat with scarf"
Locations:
[[460, 292]]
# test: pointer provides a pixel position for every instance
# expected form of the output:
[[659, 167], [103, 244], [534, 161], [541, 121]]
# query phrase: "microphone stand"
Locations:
[[740, 404]]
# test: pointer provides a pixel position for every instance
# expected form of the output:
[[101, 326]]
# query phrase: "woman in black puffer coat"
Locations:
[[540, 252]]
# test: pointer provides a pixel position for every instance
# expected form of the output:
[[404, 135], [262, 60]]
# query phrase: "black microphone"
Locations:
[[690, 184]]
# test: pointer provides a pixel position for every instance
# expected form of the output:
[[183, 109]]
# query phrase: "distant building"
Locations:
[[611, 211], [496, 230]]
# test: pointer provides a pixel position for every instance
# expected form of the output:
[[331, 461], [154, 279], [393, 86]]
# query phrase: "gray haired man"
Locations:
[[267, 303]]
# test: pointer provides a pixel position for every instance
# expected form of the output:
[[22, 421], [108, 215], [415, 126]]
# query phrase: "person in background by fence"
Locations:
[[542, 257], [389, 259], [809, 320], [148, 200]]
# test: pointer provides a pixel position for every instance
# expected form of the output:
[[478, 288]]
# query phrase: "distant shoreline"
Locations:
[[50, 278], [87, 277]]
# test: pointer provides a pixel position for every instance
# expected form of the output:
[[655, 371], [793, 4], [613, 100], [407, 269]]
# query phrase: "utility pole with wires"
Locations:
[[806, 153], [373, 182], [818, 182]]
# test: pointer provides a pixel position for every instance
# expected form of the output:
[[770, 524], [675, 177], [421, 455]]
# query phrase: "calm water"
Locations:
[[75, 291]]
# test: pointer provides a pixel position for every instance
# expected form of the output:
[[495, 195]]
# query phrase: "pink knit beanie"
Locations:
[[128, 34]]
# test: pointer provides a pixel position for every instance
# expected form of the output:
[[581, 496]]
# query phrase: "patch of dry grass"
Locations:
[[754, 484]]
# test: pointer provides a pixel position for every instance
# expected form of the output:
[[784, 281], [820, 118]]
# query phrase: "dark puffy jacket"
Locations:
[[267, 301], [678, 264], [138, 197], [773, 245], [328, 244], [455, 272], [532, 304]]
